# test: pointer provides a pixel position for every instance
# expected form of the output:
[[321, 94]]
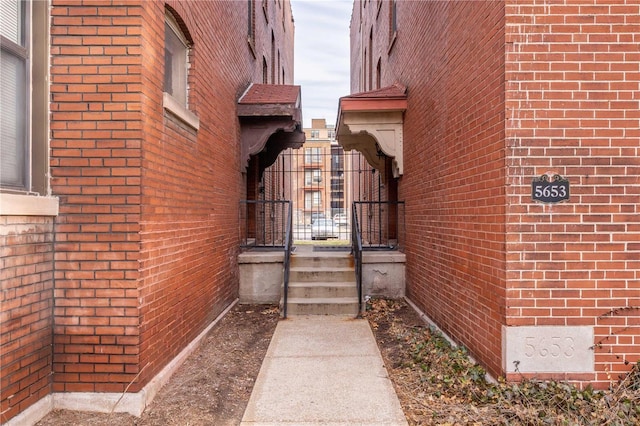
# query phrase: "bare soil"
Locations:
[[436, 384], [213, 385]]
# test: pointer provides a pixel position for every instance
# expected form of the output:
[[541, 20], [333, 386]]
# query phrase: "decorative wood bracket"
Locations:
[[371, 123], [270, 122]]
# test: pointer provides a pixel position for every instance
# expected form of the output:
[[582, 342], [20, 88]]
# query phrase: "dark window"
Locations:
[[250, 20], [273, 58], [394, 16], [370, 63], [265, 71]]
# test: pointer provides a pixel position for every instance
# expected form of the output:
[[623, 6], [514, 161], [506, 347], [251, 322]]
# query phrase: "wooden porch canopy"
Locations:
[[371, 123], [271, 121]]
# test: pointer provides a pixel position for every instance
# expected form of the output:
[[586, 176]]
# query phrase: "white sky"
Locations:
[[321, 63]]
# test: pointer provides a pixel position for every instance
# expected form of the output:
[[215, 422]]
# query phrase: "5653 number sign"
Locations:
[[550, 191]]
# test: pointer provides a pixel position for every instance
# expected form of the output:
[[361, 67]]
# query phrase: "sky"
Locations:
[[321, 56]]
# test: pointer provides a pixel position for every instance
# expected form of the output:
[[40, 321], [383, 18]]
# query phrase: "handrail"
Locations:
[[288, 248], [356, 250]]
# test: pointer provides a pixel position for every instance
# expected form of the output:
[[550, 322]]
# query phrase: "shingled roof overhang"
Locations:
[[371, 123], [271, 121]]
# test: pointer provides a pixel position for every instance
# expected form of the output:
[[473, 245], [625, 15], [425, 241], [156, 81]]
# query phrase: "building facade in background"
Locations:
[[130, 133], [320, 166], [510, 129]]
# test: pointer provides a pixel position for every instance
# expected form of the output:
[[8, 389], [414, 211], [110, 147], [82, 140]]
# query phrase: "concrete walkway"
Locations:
[[323, 370]]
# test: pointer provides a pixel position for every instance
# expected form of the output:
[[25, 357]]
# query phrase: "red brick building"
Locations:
[[472, 102], [120, 190]]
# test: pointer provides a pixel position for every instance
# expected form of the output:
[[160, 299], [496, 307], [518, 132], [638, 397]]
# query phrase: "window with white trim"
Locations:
[[312, 177], [312, 155], [24, 97], [312, 199], [176, 71]]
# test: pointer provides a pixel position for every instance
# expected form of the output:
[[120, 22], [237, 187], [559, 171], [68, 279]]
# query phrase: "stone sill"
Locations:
[[28, 205], [170, 104]]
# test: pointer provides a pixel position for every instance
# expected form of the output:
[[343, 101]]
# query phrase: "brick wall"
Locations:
[[500, 93], [26, 304], [450, 57], [144, 247], [573, 108], [96, 138], [192, 181]]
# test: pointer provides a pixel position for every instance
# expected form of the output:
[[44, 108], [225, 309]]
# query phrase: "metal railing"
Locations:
[[263, 223], [382, 224], [288, 248], [356, 250], [268, 224]]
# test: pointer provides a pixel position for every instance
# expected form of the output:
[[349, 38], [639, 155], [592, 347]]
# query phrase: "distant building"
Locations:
[[322, 167]]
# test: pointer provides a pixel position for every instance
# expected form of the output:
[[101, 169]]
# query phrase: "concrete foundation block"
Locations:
[[383, 274], [261, 277]]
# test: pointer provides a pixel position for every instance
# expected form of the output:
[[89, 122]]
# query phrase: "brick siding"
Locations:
[[573, 109], [146, 240], [454, 160], [145, 257], [191, 184], [96, 140], [498, 94], [26, 302]]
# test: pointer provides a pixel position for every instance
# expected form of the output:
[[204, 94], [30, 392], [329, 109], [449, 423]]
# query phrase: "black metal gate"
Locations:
[[323, 182]]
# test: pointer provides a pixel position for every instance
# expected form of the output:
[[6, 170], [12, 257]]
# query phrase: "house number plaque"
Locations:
[[550, 191]]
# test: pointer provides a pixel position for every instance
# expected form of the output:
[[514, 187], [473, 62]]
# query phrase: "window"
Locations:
[[370, 63], [312, 155], [363, 85], [273, 58], [176, 70], [265, 71], [393, 22], [24, 96], [176, 52], [312, 199], [312, 177], [394, 16], [251, 19], [15, 89], [315, 134]]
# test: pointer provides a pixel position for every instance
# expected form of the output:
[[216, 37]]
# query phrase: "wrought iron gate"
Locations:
[[322, 182]]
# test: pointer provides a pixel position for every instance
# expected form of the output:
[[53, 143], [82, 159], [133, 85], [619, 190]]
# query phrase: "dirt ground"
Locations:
[[436, 384], [213, 385]]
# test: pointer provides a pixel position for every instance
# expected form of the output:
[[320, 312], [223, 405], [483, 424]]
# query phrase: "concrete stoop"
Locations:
[[322, 284]]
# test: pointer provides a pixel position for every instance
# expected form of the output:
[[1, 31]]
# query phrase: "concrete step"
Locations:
[[339, 260], [323, 306], [322, 289], [321, 274], [322, 284]]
